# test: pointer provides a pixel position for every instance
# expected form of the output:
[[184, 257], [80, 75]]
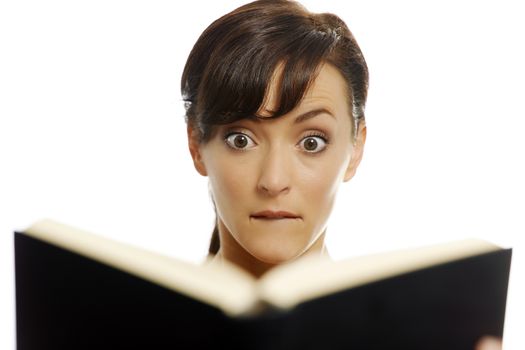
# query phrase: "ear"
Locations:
[[195, 151], [357, 151]]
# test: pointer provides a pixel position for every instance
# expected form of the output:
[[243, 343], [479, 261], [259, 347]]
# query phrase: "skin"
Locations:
[[294, 163], [489, 343]]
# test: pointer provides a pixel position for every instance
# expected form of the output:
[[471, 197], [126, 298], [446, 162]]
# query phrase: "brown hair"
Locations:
[[229, 69]]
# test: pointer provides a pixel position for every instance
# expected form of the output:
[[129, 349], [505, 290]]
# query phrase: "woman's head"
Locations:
[[228, 72], [275, 100]]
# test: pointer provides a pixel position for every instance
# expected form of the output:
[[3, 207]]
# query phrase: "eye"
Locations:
[[239, 141], [313, 144]]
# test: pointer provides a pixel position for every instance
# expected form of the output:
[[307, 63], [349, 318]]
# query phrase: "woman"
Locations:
[[275, 99]]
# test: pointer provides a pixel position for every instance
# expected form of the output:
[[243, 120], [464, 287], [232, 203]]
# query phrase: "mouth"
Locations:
[[274, 215]]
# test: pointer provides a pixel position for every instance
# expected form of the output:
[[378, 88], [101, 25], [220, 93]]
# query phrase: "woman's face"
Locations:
[[274, 181]]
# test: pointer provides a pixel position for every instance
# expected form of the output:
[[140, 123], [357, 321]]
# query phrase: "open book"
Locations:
[[80, 290]]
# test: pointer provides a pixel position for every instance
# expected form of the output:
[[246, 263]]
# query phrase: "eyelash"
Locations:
[[316, 134], [319, 135], [231, 133]]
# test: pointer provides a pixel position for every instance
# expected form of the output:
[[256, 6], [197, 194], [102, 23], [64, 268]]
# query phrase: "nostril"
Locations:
[[272, 191]]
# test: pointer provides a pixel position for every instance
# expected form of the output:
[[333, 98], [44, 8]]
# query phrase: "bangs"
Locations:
[[275, 43], [237, 86], [237, 73]]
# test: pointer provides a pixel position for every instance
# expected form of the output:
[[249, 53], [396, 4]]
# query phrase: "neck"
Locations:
[[233, 252]]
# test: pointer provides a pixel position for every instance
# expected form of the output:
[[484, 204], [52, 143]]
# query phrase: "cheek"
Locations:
[[229, 183], [322, 178], [318, 197]]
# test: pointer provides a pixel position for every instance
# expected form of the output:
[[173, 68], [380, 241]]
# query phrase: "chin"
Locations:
[[277, 256]]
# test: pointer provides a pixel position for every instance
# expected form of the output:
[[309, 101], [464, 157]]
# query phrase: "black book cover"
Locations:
[[445, 307], [67, 301]]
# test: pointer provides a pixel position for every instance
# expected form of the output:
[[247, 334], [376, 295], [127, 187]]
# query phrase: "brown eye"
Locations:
[[310, 144], [239, 141], [313, 144]]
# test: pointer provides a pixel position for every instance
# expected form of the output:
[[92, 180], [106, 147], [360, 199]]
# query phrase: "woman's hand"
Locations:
[[489, 343]]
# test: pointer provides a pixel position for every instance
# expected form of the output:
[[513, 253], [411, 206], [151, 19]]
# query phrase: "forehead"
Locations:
[[328, 89]]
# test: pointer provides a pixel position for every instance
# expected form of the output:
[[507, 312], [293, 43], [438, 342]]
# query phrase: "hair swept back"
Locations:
[[229, 69]]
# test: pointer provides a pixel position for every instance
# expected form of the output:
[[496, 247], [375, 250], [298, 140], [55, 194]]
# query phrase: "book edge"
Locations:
[[291, 285], [207, 283]]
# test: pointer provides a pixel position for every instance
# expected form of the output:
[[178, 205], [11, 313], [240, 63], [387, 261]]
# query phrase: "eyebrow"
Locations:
[[311, 114], [300, 118]]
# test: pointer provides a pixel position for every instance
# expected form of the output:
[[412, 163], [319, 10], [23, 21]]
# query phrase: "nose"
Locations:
[[275, 173]]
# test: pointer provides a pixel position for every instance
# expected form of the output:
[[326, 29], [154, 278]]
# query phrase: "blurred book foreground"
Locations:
[[77, 290]]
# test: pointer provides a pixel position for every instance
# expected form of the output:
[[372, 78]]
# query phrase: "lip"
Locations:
[[274, 215]]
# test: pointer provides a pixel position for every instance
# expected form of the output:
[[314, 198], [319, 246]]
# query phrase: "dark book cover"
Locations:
[[68, 301]]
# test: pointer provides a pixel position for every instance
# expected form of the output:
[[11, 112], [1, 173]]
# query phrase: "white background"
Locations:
[[92, 130]]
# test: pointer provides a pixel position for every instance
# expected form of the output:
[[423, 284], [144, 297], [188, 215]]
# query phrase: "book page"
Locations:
[[224, 286], [310, 278]]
